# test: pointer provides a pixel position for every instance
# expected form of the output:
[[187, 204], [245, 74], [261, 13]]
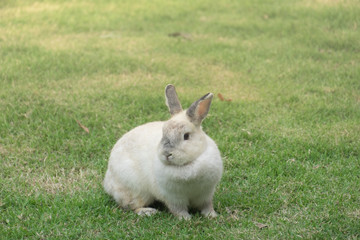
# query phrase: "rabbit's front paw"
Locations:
[[146, 211], [208, 210], [180, 212], [184, 216], [211, 214]]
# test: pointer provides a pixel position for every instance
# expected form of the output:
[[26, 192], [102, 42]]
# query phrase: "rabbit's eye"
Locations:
[[186, 136]]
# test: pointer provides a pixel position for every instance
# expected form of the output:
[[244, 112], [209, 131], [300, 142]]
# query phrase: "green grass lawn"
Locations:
[[289, 137]]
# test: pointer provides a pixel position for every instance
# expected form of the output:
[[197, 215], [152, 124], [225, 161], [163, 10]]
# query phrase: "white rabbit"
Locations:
[[174, 162]]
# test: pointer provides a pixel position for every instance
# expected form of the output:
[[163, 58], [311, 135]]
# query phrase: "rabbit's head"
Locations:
[[183, 139]]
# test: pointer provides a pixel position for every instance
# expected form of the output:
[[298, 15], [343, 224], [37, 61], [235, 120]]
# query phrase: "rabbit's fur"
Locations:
[[174, 162]]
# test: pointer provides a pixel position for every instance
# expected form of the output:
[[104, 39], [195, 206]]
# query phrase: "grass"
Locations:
[[289, 137]]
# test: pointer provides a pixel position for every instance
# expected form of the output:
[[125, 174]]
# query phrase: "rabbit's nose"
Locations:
[[168, 156]]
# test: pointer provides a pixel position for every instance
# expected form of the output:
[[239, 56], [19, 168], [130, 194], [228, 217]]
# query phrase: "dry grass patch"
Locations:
[[69, 42], [29, 180], [63, 181], [120, 43], [84, 88], [3, 150], [340, 132], [216, 77], [233, 85], [354, 214], [35, 8], [330, 3], [38, 7]]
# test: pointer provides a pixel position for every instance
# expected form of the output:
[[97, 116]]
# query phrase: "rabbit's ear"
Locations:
[[199, 109], [172, 100]]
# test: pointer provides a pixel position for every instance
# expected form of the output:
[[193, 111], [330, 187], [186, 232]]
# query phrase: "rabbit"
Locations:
[[173, 162]]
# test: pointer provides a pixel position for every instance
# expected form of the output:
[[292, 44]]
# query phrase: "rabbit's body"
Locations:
[[127, 179], [154, 162]]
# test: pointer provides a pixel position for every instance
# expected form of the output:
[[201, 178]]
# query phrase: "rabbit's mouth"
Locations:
[[167, 158]]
